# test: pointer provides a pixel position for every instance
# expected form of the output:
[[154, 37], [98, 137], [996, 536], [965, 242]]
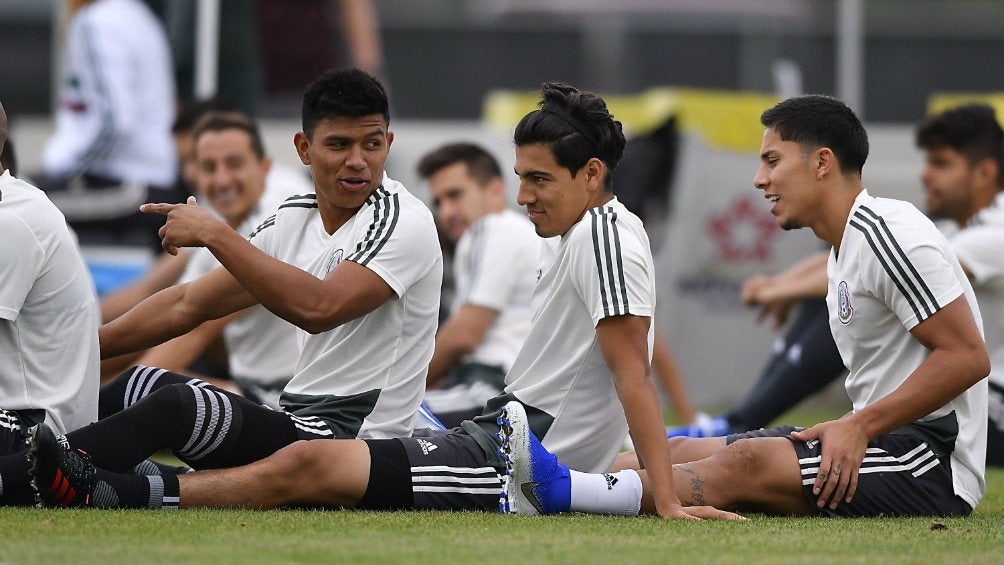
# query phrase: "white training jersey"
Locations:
[[49, 357], [262, 347], [117, 97], [495, 267], [366, 377], [894, 269], [980, 247], [600, 267]]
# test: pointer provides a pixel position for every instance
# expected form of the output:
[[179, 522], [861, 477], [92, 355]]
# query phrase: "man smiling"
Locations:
[[583, 372], [905, 320], [367, 305]]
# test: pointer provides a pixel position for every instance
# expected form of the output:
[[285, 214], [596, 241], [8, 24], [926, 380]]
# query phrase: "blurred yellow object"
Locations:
[[941, 101], [724, 119]]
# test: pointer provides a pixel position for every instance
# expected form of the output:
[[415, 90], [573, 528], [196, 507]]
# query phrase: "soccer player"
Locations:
[[494, 270], [368, 302], [963, 180], [583, 372], [905, 319], [48, 325]]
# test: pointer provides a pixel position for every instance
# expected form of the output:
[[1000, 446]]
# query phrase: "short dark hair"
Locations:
[[480, 164], [577, 126], [190, 112], [813, 121], [222, 121], [343, 92], [971, 129]]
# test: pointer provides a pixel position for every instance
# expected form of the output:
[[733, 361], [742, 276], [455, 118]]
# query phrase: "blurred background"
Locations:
[[688, 78]]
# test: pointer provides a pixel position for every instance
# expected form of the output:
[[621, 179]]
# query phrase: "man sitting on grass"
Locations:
[[905, 319]]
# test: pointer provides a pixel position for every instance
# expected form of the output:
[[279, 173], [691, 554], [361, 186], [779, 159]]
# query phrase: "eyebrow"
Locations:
[[529, 173], [375, 133]]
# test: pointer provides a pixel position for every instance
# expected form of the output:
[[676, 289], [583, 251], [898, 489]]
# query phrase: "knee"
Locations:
[[739, 460], [300, 458]]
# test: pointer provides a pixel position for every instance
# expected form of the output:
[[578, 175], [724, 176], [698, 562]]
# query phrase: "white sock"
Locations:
[[607, 493]]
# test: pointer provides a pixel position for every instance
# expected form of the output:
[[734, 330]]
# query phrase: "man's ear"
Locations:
[[302, 145], [824, 161], [596, 173], [987, 171]]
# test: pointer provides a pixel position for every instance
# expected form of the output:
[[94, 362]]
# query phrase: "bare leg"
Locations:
[[682, 450], [332, 473], [758, 474]]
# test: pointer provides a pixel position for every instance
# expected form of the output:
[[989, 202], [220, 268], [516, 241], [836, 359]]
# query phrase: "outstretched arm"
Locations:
[[172, 312], [348, 292]]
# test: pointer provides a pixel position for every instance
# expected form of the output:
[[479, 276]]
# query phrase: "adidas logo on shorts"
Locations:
[[426, 446]]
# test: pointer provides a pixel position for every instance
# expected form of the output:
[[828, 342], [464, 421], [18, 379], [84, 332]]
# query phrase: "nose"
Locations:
[[760, 178], [524, 196], [444, 209], [925, 176], [355, 159]]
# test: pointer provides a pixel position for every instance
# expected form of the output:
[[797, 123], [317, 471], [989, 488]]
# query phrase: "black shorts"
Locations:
[[14, 425], [995, 427], [900, 476], [432, 470]]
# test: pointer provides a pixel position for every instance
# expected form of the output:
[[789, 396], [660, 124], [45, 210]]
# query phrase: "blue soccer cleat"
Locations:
[[535, 482], [703, 426]]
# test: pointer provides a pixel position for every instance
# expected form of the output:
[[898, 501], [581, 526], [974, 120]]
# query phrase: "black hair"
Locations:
[[480, 164], [813, 121], [221, 121], [577, 126], [343, 92], [971, 129], [190, 112]]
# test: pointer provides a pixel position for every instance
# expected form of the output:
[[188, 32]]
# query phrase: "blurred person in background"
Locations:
[[111, 149], [231, 173], [494, 270]]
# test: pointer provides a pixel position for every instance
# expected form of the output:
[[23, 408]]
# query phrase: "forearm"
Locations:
[[648, 432], [940, 378], [152, 322]]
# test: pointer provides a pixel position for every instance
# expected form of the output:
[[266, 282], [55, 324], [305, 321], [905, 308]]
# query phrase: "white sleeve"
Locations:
[[915, 277], [502, 263], [611, 270], [979, 249], [400, 250]]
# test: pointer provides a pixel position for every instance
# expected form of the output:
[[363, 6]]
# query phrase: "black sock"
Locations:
[[15, 480]]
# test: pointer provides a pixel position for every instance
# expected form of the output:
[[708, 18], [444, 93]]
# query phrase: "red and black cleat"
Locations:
[[62, 476]]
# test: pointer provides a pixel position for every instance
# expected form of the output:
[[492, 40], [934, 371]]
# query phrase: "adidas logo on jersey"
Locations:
[[426, 446]]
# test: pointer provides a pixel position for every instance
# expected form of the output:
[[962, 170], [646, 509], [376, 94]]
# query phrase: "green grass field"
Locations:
[[33, 536]]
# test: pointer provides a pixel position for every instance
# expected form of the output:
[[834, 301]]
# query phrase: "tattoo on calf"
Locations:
[[696, 484]]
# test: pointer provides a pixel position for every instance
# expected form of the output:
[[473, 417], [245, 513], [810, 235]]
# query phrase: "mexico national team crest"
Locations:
[[844, 308], [336, 258]]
